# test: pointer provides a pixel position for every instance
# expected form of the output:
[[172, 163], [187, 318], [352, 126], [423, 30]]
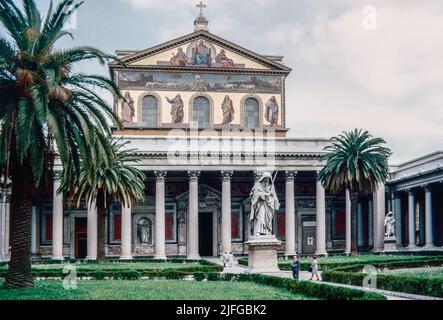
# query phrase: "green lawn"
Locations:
[[150, 290], [428, 273]]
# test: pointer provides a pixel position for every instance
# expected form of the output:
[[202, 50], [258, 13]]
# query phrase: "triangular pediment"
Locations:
[[204, 192], [204, 50]]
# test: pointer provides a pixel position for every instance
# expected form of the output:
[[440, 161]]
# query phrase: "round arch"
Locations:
[[140, 107], [211, 107], [260, 109]]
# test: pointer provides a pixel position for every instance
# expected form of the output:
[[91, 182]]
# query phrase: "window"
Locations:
[[46, 225], [200, 112], [149, 112], [252, 113]]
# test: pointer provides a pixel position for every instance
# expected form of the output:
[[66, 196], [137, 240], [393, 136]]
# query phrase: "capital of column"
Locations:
[[57, 175], [290, 175], [194, 175], [160, 176], [427, 188], [410, 192], [226, 175]]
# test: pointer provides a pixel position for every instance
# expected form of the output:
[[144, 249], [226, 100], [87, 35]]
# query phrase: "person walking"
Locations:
[[296, 267], [314, 269]]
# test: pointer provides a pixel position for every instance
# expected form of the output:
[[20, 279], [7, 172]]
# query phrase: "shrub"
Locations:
[[200, 276], [352, 275]]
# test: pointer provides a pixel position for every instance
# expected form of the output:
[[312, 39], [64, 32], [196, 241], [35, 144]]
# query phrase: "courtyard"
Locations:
[[343, 279]]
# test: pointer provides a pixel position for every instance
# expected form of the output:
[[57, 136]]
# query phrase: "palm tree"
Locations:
[[45, 110], [356, 162], [109, 179]]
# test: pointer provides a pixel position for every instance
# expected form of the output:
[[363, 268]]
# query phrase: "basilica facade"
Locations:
[[208, 117]]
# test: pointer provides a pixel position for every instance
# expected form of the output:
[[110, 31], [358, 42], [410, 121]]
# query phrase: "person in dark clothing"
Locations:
[[296, 268]]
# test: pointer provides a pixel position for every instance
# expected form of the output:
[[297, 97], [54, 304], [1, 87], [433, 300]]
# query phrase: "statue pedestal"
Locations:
[[263, 256], [390, 244]]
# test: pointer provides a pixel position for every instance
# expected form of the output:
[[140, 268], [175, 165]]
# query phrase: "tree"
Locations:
[[45, 110], [356, 162], [107, 179]]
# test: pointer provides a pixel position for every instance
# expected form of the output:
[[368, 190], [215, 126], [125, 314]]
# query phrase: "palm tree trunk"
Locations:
[[101, 227], [20, 270], [354, 228]]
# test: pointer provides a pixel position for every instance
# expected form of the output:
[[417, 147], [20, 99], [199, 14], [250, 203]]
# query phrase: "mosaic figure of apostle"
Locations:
[[223, 61], [128, 109], [272, 111], [177, 109], [264, 205], [228, 111], [180, 59]]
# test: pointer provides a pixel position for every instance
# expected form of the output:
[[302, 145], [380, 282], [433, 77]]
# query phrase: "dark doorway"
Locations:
[[205, 235], [309, 240], [81, 238]]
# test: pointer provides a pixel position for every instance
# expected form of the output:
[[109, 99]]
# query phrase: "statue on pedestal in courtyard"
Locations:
[[264, 204]]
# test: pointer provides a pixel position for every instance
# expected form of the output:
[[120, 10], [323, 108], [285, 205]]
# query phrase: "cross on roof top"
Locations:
[[201, 5]]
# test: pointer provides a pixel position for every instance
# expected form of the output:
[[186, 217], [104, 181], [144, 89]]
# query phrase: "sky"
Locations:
[[375, 65]]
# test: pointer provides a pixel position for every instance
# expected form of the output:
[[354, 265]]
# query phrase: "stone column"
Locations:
[[360, 242], [34, 231], [398, 220], [428, 219], [226, 223], [379, 218], [411, 219], [92, 232], [321, 220], [3, 225], [193, 250], [160, 220], [348, 222], [371, 205], [290, 213], [57, 223], [126, 233]]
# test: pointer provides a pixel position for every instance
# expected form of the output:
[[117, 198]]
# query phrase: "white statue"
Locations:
[[144, 230], [390, 225], [264, 203]]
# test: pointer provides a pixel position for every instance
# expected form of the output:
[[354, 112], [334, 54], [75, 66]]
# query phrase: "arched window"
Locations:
[[150, 112], [252, 113], [201, 112]]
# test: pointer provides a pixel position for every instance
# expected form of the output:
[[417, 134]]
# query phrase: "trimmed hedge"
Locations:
[[396, 263], [310, 289], [135, 260], [125, 273], [353, 275]]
